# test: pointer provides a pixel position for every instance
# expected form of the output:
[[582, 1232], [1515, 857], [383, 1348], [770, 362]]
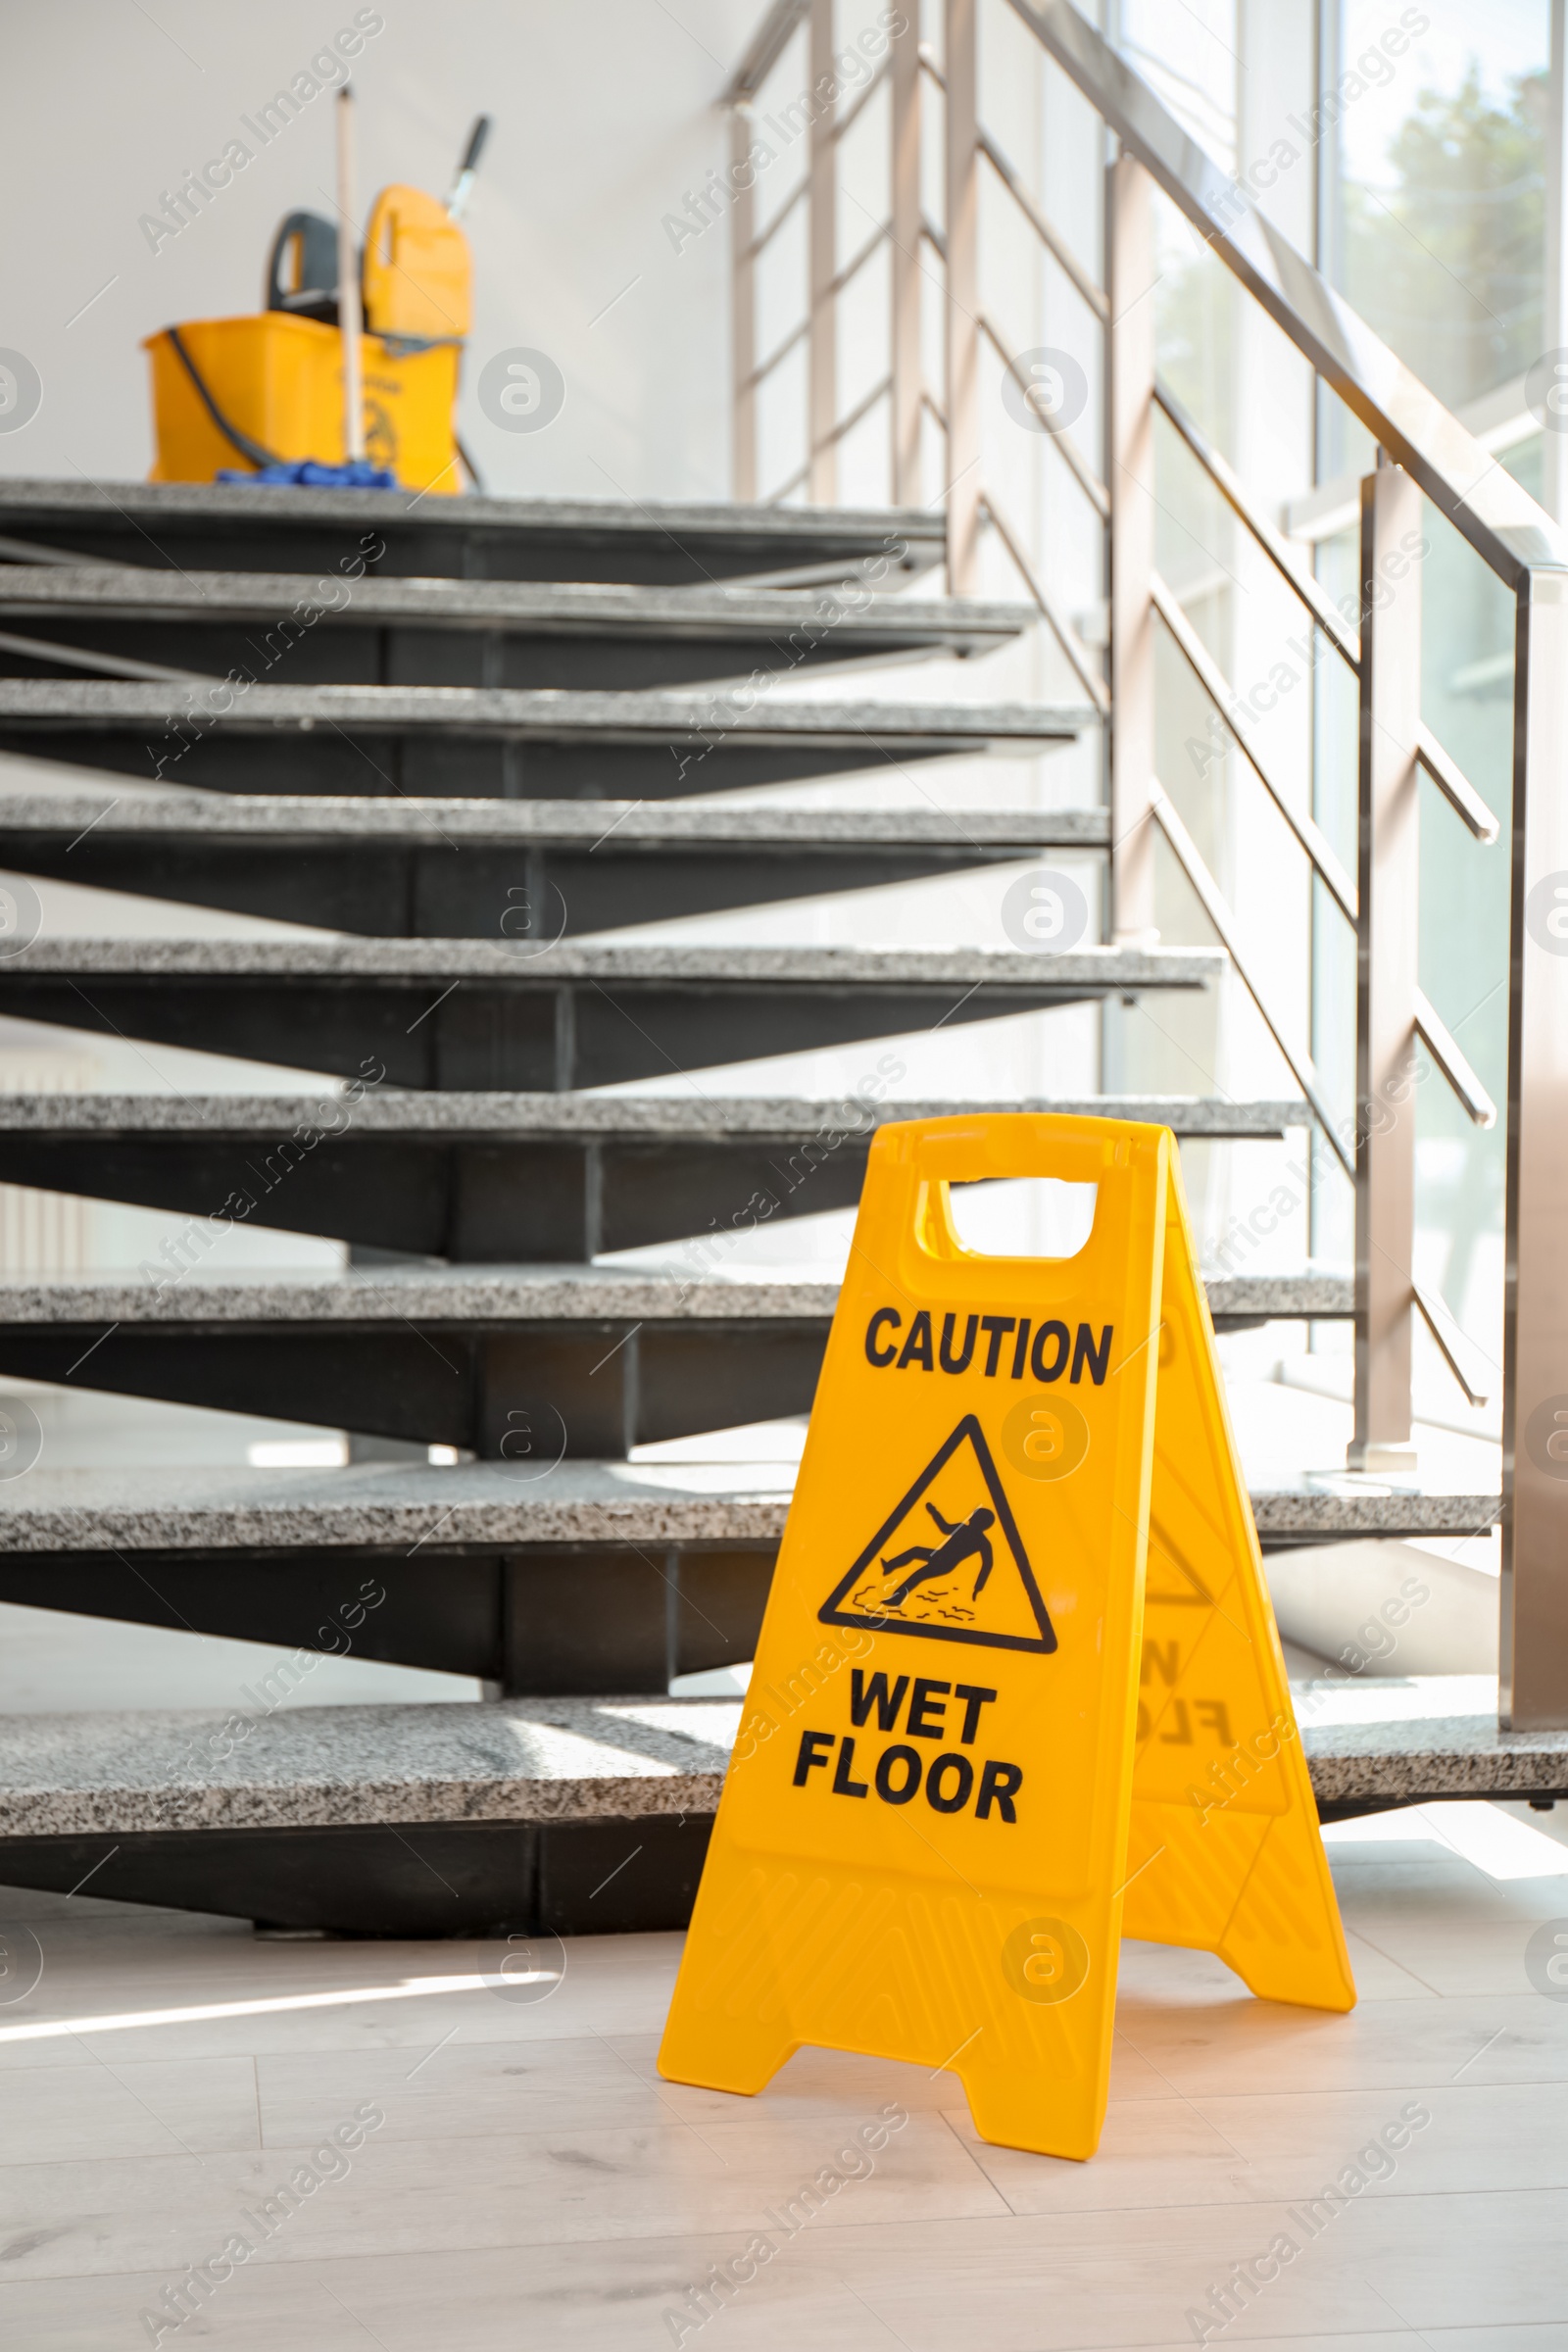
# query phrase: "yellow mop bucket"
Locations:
[[258, 391], [272, 390]]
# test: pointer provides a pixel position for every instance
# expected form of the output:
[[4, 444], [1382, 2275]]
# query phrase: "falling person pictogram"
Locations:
[[903, 1582], [966, 1540]]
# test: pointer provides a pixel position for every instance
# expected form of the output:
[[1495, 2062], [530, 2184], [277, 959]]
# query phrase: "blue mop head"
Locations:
[[306, 474]]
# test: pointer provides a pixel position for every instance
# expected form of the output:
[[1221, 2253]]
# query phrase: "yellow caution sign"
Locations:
[[976, 1751]]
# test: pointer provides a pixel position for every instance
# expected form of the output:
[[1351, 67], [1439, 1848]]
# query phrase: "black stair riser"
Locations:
[[523, 1036], [685, 556], [532, 1620], [351, 653], [561, 1619], [475, 890], [520, 1392], [442, 763], [476, 1200], [527, 1391], [420, 1879], [414, 1878]]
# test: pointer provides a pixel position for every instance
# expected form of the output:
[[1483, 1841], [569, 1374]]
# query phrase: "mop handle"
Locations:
[[348, 283], [457, 201]]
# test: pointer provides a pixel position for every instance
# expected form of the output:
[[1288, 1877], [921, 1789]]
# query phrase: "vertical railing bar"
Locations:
[[1554, 322], [743, 310], [904, 328], [1387, 944], [822, 371], [1130, 485], [962, 308], [1532, 1675]]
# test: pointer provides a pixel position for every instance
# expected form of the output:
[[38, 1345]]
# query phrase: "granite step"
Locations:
[[184, 526], [539, 1816], [523, 1362], [463, 742], [301, 629], [577, 1577], [530, 1015], [498, 1177], [492, 870], [527, 1363]]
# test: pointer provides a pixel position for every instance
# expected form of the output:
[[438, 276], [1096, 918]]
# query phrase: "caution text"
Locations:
[[991, 1344]]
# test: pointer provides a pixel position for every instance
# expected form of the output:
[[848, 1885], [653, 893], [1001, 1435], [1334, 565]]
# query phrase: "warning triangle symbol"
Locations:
[[947, 1561]]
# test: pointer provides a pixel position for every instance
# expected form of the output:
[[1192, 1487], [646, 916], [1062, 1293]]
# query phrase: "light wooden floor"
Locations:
[[533, 2185]]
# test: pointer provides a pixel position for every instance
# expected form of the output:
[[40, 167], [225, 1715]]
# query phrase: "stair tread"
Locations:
[[616, 1758], [543, 711], [526, 822], [39, 590], [480, 1293], [472, 1760], [692, 960], [648, 519], [576, 1502], [656, 1117], [1303, 1293], [397, 1503], [397, 1294]]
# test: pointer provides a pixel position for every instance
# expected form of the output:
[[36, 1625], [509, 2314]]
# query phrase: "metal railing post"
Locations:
[[1130, 482], [1532, 1685], [962, 339], [822, 349], [905, 215], [1554, 306], [1387, 940], [743, 310]]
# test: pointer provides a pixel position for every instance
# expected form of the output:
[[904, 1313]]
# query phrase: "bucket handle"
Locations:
[[252, 449]]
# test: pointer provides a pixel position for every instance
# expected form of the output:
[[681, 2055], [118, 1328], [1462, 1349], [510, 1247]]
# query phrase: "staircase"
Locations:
[[421, 790], [471, 753]]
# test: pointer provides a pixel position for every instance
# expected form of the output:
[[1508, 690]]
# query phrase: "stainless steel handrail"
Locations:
[[1206, 670], [1422, 448], [768, 44], [1454, 1345], [1190, 858], [780, 352], [1060, 252], [1455, 787], [1077, 464], [847, 122], [1073, 645], [1345, 640], [764, 236], [1493, 511], [1444, 1047], [857, 262]]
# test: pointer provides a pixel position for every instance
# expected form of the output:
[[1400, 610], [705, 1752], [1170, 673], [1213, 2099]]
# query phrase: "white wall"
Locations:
[[604, 115]]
